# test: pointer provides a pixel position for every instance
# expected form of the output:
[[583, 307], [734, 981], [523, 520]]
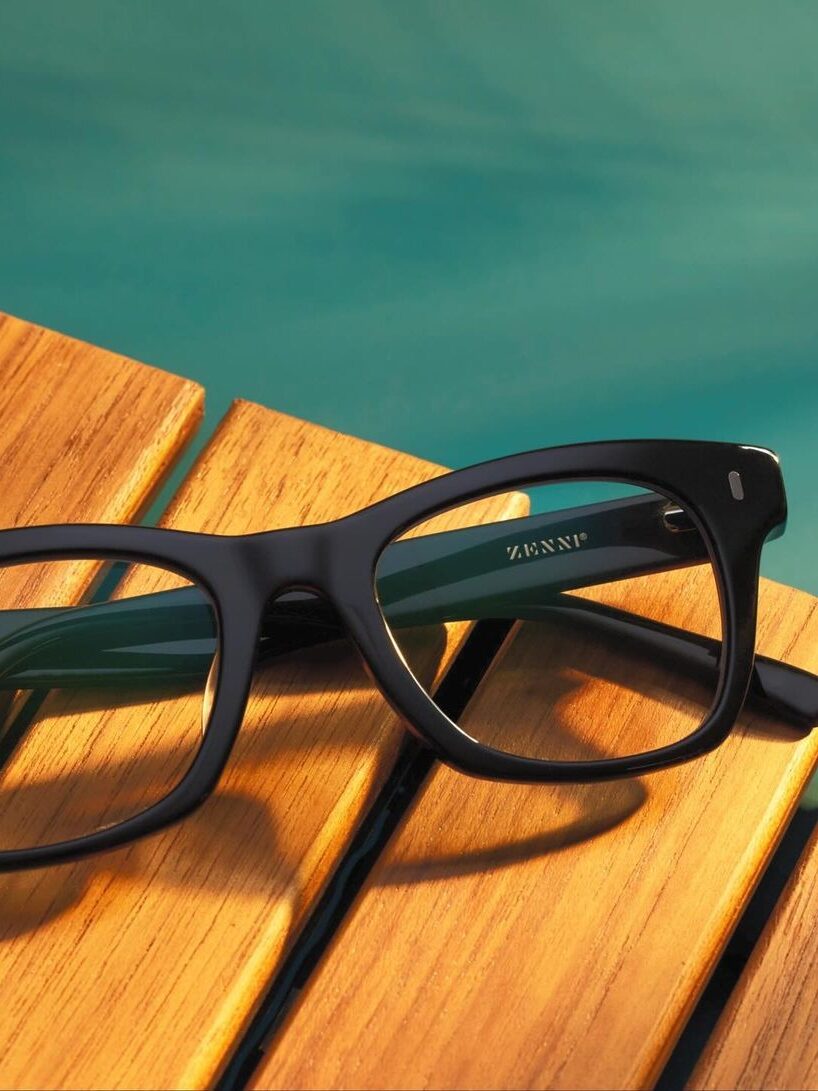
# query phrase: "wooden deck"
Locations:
[[508, 936]]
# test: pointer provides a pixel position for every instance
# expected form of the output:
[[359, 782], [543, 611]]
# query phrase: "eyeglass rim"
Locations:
[[338, 560]]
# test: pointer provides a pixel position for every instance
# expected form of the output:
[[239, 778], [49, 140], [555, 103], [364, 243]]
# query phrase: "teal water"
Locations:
[[461, 229]]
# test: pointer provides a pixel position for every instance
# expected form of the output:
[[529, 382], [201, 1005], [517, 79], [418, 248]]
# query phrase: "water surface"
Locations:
[[461, 229]]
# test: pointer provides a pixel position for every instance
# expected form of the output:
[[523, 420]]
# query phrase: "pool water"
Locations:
[[461, 229]]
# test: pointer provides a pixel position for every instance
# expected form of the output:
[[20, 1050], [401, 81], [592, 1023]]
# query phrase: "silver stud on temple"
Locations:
[[736, 485]]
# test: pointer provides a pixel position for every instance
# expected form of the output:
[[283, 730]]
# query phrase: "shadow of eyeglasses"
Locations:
[[246, 801]]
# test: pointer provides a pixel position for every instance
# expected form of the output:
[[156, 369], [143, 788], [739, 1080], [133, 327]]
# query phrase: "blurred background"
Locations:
[[461, 229]]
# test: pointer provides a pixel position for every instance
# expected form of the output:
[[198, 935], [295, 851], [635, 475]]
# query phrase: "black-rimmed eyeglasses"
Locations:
[[118, 714]]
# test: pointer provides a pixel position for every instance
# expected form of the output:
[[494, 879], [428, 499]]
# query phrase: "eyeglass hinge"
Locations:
[[676, 519]]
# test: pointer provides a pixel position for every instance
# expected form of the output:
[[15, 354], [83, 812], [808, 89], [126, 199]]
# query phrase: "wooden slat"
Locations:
[[85, 434], [766, 1037], [141, 968], [516, 936]]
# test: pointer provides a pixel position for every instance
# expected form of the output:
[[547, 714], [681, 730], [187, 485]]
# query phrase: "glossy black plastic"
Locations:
[[169, 637], [251, 579]]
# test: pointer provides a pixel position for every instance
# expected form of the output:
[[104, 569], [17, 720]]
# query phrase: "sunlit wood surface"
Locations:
[[510, 936], [139, 969], [553, 936], [767, 1037], [86, 435]]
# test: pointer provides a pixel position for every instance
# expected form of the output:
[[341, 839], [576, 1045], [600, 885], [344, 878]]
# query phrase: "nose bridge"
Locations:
[[284, 559]]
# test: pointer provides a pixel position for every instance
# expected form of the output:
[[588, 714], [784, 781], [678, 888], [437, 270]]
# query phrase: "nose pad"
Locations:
[[210, 690], [295, 620]]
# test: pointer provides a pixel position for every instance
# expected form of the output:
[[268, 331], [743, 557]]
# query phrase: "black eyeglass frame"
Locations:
[[337, 560]]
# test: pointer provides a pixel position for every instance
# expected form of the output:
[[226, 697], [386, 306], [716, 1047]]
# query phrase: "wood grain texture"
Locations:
[[767, 1037], [518, 936], [85, 434], [141, 968]]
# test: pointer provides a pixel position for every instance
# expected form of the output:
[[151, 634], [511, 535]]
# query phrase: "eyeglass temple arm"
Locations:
[[170, 636], [164, 635], [778, 689]]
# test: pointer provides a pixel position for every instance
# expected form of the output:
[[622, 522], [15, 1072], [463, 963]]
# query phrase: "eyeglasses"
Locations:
[[636, 564]]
